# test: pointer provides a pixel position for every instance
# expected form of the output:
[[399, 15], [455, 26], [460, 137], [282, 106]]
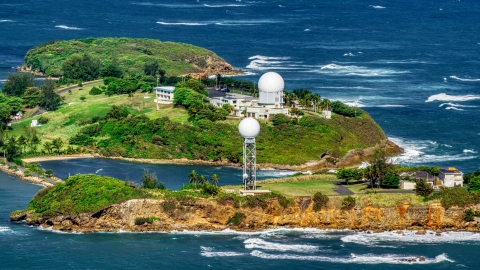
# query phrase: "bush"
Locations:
[[143, 220], [18, 161], [348, 203], [210, 189], [422, 188], [319, 201], [458, 196], [43, 120], [81, 139], [95, 91], [345, 110], [470, 214], [391, 180], [279, 119], [168, 207], [149, 180], [236, 219]]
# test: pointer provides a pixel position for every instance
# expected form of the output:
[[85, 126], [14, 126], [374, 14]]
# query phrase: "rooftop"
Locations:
[[165, 88]]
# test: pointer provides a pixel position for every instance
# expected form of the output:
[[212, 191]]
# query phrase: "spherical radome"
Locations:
[[271, 82], [249, 128]]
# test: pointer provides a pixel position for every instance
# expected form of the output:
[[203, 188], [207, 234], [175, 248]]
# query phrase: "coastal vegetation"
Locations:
[[91, 58]]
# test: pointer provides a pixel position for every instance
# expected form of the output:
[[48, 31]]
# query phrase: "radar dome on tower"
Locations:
[[270, 87], [249, 128]]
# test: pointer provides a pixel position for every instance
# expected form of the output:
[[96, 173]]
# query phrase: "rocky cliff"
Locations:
[[212, 215]]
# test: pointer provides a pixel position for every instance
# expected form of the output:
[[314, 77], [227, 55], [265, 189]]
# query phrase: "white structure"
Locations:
[[164, 94], [327, 114], [249, 128], [237, 101], [451, 177], [270, 102], [408, 185]]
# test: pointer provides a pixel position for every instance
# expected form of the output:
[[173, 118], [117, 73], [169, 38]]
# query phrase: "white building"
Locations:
[[237, 101], [451, 177], [164, 94], [270, 101]]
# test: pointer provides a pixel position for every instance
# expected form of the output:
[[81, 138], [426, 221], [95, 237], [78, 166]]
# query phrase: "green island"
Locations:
[[102, 103]]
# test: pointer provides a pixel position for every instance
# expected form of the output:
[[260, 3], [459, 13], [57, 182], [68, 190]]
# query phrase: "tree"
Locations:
[[48, 146], [202, 180], [82, 67], [193, 84], [349, 174], [215, 179], [149, 180], [379, 166], [83, 98], [34, 142], [422, 188], [5, 113], [151, 68], [32, 96], [474, 184], [22, 141], [12, 150], [17, 83], [112, 70], [57, 144], [50, 100], [193, 178], [391, 180]]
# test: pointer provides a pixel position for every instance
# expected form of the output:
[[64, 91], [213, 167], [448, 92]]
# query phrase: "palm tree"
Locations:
[[22, 141], [58, 144], [214, 179], [33, 143], [193, 177], [202, 180], [48, 146]]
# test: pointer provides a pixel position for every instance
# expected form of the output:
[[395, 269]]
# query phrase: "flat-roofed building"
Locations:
[[451, 177], [164, 94]]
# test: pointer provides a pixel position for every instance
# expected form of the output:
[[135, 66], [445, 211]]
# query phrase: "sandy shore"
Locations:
[[63, 157]]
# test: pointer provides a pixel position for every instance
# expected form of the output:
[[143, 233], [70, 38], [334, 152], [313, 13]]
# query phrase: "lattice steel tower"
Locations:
[[249, 129]]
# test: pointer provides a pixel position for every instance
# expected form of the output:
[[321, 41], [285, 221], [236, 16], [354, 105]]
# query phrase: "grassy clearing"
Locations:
[[297, 186], [63, 123], [391, 200]]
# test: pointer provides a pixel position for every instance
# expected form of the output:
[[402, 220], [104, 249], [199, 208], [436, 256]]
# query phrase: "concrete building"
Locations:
[[164, 94], [237, 101], [270, 102], [451, 177]]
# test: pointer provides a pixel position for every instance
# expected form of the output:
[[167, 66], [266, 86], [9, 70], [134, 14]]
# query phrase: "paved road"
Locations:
[[341, 190]]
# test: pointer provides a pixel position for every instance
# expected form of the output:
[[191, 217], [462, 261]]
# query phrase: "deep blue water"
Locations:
[[413, 65]]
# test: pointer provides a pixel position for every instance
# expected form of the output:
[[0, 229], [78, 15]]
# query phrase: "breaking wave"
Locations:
[[261, 62], [68, 27], [182, 23], [225, 5], [257, 243], [464, 79], [410, 237], [208, 252], [5, 230], [1, 21], [445, 97], [339, 70], [359, 259], [377, 7]]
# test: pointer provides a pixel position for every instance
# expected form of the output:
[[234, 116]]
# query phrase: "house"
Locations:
[[414, 177], [164, 94], [451, 177], [237, 101], [407, 185]]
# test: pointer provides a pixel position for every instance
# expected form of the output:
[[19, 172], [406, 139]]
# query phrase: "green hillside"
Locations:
[[130, 54]]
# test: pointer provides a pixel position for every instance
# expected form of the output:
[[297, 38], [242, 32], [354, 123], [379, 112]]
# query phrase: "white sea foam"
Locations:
[[2, 21], [377, 7], [208, 252], [261, 62], [169, 5], [464, 79], [306, 30], [257, 243], [225, 5], [339, 70], [50, 229], [348, 54], [469, 151], [391, 106], [418, 152], [410, 237], [450, 104], [5, 230], [453, 108], [445, 97], [68, 27], [359, 259], [183, 23]]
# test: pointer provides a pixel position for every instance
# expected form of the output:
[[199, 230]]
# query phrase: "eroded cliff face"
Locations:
[[211, 215]]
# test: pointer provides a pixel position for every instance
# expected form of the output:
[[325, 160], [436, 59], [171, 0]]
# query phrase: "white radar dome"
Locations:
[[249, 128], [271, 82]]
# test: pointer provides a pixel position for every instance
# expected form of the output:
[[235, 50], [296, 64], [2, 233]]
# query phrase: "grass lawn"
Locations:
[[63, 123], [391, 200], [297, 186]]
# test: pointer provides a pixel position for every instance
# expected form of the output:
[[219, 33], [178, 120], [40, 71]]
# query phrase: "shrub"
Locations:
[[236, 219], [81, 139], [95, 91], [49, 172], [43, 120], [168, 206], [210, 189], [319, 201], [348, 203], [27, 173], [391, 180], [458, 196], [18, 161], [470, 214], [422, 188], [149, 180], [279, 119], [143, 220]]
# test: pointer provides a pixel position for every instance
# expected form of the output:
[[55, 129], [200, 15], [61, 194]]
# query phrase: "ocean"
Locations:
[[414, 66]]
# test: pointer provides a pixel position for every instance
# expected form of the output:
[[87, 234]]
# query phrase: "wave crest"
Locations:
[[68, 27], [464, 79], [445, 97]]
